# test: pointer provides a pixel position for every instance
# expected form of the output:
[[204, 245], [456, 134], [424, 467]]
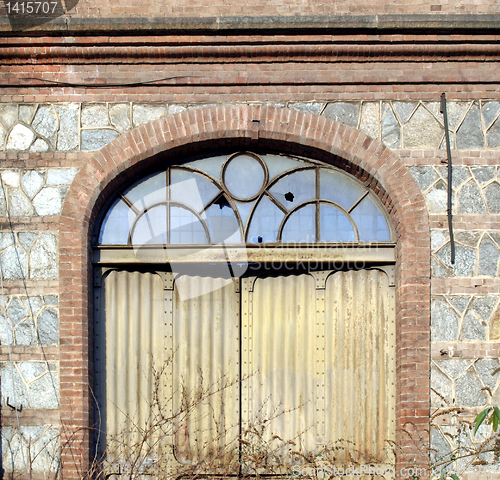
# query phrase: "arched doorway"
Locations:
[[245, 320], [249, 127]]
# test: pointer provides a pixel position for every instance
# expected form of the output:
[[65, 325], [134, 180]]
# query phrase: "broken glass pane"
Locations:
[[295, 188], [265, 222], [222, 223]]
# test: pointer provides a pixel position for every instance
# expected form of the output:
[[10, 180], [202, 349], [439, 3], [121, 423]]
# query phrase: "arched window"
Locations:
[[245, 198], [244, 320]]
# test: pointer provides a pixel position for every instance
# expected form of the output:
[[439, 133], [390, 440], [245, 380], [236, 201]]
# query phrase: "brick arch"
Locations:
[[248, 126]]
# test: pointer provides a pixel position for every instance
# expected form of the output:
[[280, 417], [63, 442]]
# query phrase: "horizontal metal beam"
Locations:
[[370, 253]]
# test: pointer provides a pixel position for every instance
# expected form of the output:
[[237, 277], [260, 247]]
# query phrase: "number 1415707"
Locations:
[[30, 8]]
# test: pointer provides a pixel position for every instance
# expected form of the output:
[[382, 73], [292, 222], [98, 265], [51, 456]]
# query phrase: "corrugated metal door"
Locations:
[[318, 368], [360, 365], [302, 363], [205, 376], [130, 349], [279, 386]]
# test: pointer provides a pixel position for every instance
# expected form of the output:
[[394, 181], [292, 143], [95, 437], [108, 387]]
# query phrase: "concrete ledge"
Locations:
[[374, 23]]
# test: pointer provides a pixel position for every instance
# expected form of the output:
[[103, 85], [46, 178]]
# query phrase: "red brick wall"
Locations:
[[199, 8], [269, 67]]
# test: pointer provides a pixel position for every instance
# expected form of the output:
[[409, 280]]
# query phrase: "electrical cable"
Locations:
[[103, 85]]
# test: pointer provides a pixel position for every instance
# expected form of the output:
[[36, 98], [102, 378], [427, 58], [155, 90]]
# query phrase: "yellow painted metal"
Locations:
[[279, 255], [131, 351], [280, 389], [317, 359], [319, 354], [205, 374], [360, 365]]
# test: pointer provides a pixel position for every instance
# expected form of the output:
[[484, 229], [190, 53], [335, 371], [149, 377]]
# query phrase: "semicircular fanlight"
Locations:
[[248, 198]]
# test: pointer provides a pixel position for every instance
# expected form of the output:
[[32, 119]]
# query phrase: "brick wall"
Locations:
[[197, 8]]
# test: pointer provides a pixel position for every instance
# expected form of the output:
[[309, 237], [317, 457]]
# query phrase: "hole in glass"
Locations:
[[301, 183], [265, 222]]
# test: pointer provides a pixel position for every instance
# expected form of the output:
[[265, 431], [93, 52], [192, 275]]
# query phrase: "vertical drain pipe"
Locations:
[[450, 191]]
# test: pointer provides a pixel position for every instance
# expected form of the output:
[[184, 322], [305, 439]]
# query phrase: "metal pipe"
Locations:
[[450, 177]]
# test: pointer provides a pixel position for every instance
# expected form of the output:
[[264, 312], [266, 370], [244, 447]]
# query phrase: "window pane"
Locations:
[[191, 189], [276, 164], [185, 228], [151, 189], [116, 225], [295, 188], [265, 222], [222, 223], [151, 229], [338, 188], [244, 176], [301, 226], [371, 223], [244, 209], [212, 166], [335, 226]]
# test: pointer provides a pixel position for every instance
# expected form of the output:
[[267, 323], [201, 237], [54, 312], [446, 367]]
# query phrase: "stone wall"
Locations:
[[30, 203], [398, 124]]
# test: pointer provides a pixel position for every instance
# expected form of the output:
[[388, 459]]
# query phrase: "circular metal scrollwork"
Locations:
[[244, 176]]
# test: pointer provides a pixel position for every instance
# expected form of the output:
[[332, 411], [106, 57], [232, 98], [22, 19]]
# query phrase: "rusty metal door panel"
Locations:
[[360, 364], [129, 350], [279, 386], [317, 359], [205, 374]]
